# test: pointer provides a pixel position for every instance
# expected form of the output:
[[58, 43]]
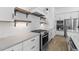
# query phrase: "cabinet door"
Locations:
[[17, 47], [26, 45], [37, 49], [6, 13], [9, 49], [35, 44]]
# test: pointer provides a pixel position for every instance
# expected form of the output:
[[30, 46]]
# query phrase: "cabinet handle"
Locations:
[[12, 50], [33, 47], [33, 40]]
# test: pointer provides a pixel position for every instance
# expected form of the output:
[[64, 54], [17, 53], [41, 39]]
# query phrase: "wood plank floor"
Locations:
[[58, 43]]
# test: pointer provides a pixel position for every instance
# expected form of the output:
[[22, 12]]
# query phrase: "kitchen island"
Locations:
[[75, 38]]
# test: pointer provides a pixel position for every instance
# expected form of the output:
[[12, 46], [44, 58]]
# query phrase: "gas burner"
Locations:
[[39, 30]]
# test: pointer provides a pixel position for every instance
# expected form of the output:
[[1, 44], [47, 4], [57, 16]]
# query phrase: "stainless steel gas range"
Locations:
[[43, 38]]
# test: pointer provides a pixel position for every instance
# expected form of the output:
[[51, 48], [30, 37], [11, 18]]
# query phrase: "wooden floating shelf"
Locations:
[[17, 9], [37, 14], [43, 22], [22, 21], [6, 21], [43, 17], [17, 21], [26, 21]]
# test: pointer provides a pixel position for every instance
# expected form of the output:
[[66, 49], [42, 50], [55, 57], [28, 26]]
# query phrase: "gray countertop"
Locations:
[[10, 41], [75, 38]]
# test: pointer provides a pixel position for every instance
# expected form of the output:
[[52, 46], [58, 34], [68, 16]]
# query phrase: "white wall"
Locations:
[[6, 13], [8, 29]]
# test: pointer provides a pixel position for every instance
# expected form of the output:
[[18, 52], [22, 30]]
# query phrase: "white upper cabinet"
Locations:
[[74, 14], [71, 15], [6, 13], [67, 15], [59, 17]]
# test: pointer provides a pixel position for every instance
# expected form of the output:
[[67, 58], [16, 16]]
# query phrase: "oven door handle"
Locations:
[[44, 36]]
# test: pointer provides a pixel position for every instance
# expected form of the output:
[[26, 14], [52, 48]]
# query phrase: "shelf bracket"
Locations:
[[15, 23], [27, 15], [26, 24], [40, 18], [15, 12]]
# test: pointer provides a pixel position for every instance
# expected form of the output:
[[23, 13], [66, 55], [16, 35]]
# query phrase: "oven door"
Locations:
[[44, 40]]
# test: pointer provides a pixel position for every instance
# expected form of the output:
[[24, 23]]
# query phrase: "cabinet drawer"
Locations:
[[30, 47], [35, 40], [34, 48], [32, 41]]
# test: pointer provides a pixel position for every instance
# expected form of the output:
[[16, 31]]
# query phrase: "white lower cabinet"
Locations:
[[36, 49], [28, 45], [31, 44], [17, 47]]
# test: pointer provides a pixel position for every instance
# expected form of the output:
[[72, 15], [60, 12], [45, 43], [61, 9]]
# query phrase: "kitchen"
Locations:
[[34, 28]]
